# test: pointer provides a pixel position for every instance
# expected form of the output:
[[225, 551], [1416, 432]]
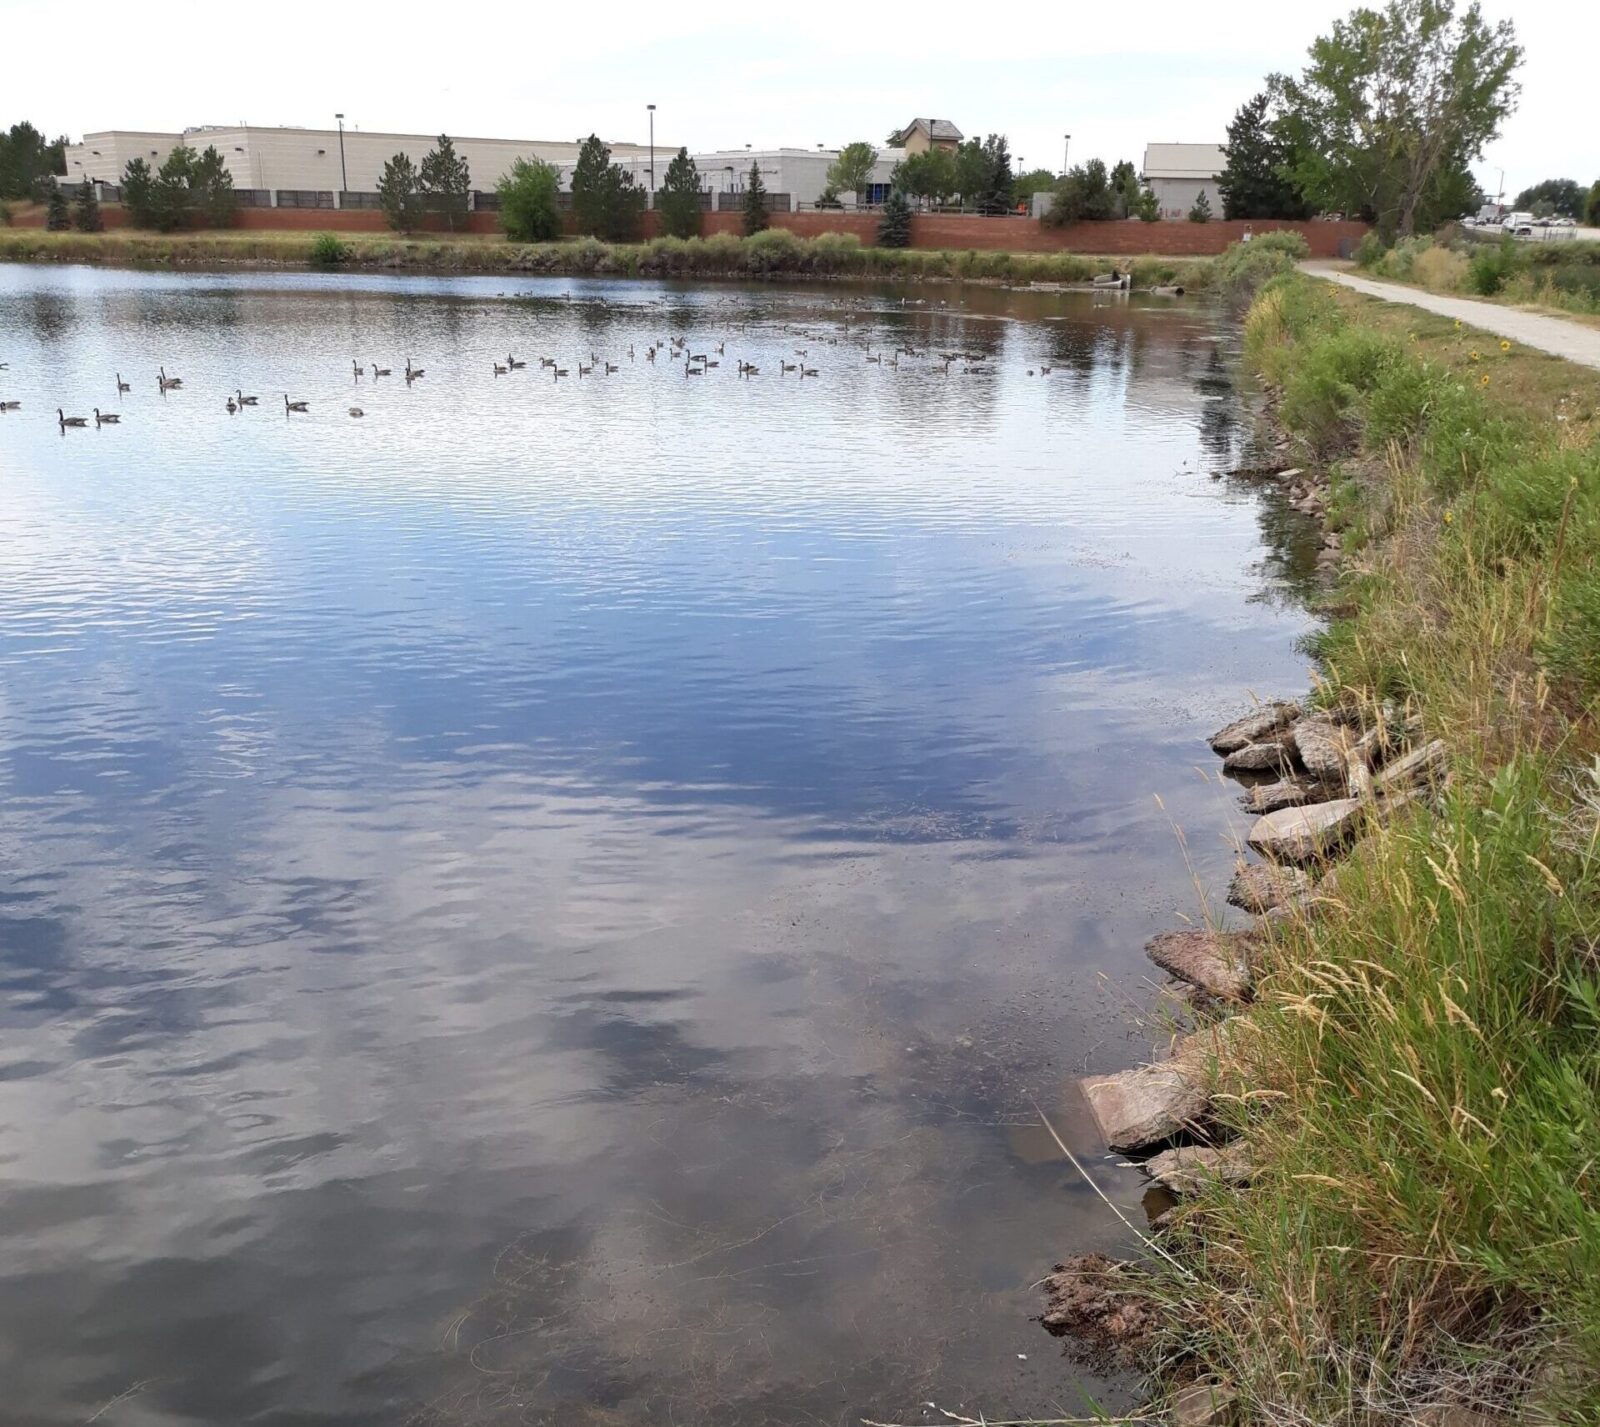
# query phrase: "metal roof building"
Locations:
[[1178, 173]]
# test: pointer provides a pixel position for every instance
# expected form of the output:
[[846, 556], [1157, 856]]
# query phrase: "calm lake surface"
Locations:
[[555, 901]]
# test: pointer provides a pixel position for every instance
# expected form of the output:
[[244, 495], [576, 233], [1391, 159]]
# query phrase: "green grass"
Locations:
[[1420, 1076], [774, 252]]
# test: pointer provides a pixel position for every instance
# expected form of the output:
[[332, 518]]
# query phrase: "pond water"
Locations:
[[556, 900]]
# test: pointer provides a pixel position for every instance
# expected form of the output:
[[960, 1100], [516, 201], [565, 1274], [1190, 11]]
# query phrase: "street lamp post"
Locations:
[[344, 177], [1066, 148], [652, 109]]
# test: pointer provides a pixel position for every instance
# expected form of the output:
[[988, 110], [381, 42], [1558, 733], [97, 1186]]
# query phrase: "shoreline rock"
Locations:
[[1215, 962], [1253, 727]]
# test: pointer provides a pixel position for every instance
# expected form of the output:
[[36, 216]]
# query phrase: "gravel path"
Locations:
[[1554, 335]]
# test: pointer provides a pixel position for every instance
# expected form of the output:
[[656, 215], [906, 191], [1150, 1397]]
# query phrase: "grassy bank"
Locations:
[[775, 252], [1419, 1078], [1559, 277]]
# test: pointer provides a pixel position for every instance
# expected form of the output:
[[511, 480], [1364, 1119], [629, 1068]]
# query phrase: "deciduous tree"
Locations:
[[445, 183], [529, 210], [1560, 196], [930, 175], [679, 197], [1390, 99], [852, 170]]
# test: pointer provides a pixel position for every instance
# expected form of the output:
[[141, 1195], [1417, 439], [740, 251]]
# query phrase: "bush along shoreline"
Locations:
[[1380, 1137], [775, 252]]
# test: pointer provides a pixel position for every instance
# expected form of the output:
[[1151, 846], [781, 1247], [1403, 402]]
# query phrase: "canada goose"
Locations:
[[713, 364], [412, 373], [630, 351], [612, 367], [690, 370], [356, 366], [561, 371], [808, 371], [650, 354], [294, 405], [1045, 371], [247, 400], [514, 364], [720, 346], [872, 358], [584, 371], [122, 386], [232, 406], [357, 411], [105, 418], [802, 351], [749, 369], [169, 383], [378, 371], [789, 366], [499, 371], [67, 421], [10, 405]]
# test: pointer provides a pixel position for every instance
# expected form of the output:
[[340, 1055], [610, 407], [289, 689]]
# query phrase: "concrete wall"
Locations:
[[104, 156], [801, 173]]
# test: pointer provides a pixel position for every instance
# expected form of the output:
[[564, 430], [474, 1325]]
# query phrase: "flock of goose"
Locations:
[[671, 350]]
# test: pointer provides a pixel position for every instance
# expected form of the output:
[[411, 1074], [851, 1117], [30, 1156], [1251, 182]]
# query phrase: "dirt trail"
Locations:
[[1555, 335]]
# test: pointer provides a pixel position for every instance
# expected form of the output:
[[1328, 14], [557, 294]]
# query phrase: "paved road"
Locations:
[[1554, 335]]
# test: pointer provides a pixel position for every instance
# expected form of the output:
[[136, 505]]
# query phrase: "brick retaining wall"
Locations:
[[933, 230]]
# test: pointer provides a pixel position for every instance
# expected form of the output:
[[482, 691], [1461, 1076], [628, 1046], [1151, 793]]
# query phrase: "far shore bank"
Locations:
[[775, 253]]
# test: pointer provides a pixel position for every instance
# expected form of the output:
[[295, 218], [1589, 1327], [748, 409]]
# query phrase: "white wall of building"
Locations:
[[801, 173], [310, 158]]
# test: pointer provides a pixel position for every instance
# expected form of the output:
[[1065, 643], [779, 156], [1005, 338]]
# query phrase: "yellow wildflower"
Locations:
[[1448, 517], [1473, 355], [1485, 380], [1504, 345]]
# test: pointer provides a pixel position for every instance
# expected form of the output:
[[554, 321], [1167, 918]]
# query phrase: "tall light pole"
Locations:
[[1066, 148], [344, 177], [652, 109]]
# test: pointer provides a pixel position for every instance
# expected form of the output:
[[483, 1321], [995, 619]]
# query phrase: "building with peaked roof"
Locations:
[[1178, 173], [920, 135]]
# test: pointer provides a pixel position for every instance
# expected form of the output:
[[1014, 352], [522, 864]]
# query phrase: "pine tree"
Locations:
[[589, 185], [445, 183], [1201, 212], [679, 197], [1252, 185], [56, 217], [398, 195], [755, 202], [894, 228], [1148, 208], [211, 189], [86, 215], [170, 193], [138, 194]]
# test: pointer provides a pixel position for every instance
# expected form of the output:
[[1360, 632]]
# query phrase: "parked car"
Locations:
[[1519, 225]]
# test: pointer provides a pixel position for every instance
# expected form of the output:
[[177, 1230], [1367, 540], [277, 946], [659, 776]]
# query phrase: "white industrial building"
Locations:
[[1177, 173], [324, 160], [313, 160], [800, 173]]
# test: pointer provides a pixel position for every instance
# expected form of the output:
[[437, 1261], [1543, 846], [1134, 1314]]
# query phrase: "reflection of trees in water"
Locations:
[[1219, 412]]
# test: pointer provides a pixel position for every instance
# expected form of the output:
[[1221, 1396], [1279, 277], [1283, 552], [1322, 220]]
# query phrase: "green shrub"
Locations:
[[1370, 251], [773, 250], [1492, 267], [1329, 378], [327, 250], [528, 209]]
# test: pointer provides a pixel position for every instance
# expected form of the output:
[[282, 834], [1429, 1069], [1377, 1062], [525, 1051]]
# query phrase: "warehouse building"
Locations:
[[1177, 173], [326, 160], [802, 174]]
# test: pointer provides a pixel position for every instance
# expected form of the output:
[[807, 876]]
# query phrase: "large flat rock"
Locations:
[[1286, 793], [1188, 1169], [1323, 747], [1216, 962], [1307, 834], [1253, 727], [1266, 757], [1137, 1109], [1258, 887], [1414, 769]]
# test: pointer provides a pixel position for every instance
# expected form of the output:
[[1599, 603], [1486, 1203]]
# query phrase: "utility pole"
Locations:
[[344, 177], [652, 109], [1066, 148]]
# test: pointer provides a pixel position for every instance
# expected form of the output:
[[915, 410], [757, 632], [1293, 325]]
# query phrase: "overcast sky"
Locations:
[[795, 74]]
